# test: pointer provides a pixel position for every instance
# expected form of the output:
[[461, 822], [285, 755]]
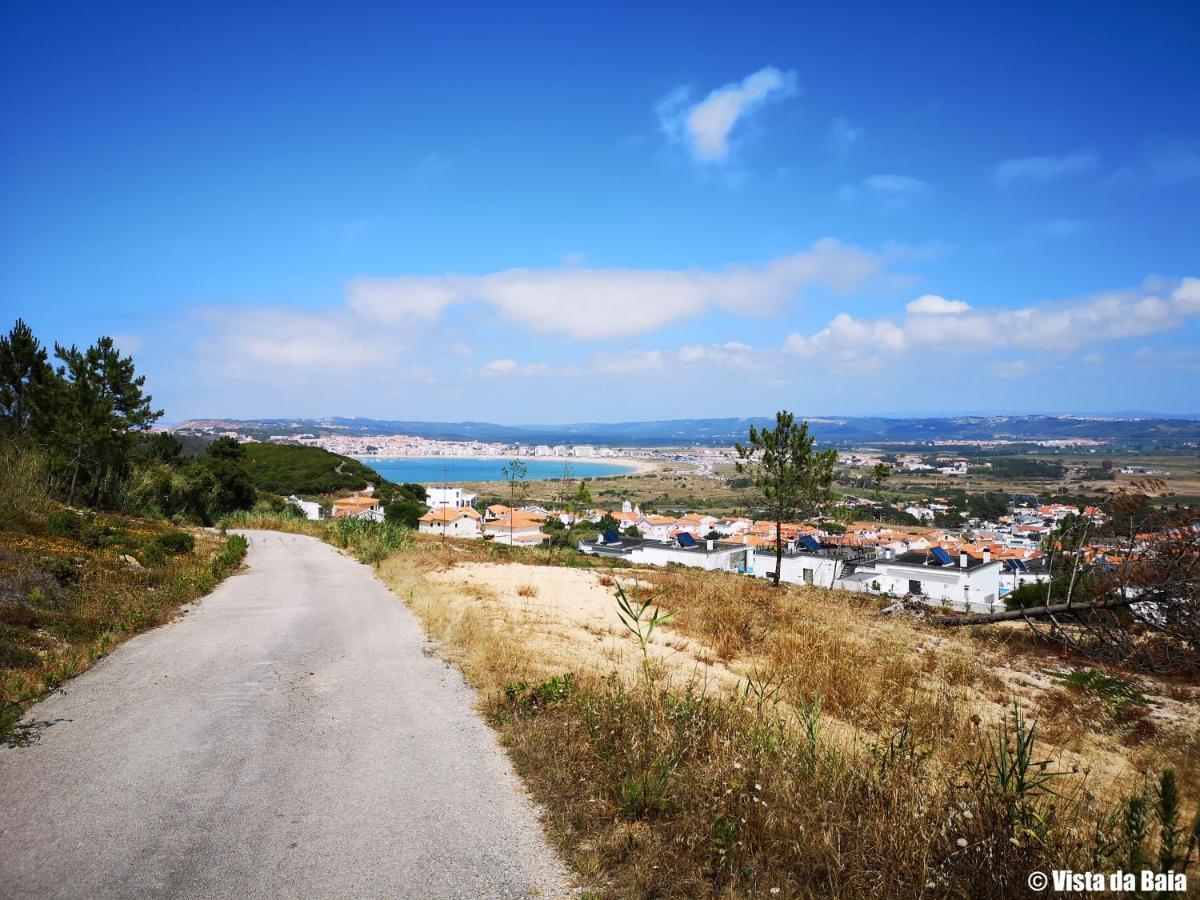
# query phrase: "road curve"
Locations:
[[288, 737]]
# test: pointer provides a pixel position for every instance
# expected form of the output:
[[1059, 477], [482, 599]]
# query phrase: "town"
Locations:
[[971, 569]]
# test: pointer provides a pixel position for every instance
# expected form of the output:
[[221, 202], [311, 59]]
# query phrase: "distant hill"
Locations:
[[290, 469], [838, 431]]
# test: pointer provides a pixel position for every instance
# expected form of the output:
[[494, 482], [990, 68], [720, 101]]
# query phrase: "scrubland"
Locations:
[[794, 742], [76, 583]]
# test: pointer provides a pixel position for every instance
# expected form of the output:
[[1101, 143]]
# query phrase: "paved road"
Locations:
[[287, 738]]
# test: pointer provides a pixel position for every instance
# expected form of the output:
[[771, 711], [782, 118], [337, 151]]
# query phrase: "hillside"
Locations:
[[289, 469], [74, 585]]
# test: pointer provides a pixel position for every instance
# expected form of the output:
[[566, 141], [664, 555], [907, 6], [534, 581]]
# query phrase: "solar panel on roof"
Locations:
[[611, 537], [941, 556], [1016, 565], [808, 542], [686, 540]]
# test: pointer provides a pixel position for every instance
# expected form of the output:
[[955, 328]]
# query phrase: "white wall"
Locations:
[[800, 568], [310, 508], [452, 497], [462, 527], [720, 560], [973, 590]]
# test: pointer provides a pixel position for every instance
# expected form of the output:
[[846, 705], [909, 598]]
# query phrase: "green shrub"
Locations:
[[174, 543], [24, 484], [65, 523]]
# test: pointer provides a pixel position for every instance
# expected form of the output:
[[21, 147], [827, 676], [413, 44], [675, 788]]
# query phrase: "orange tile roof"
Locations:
[[449, 514]]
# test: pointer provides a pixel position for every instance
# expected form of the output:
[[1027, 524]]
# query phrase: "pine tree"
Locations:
[[791, 477], [102, 408], [27, 382]]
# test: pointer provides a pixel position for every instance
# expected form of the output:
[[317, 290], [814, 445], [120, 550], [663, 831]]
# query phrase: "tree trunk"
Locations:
[[778, 551], [1034, 612]]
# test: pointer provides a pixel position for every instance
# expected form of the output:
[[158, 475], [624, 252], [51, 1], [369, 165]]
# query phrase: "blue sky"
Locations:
[[556, 213]]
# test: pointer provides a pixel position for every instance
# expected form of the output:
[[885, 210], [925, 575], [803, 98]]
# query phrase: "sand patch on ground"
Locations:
[[567, 620]]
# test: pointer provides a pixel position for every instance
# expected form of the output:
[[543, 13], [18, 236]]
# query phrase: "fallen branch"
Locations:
[[1032, 612]]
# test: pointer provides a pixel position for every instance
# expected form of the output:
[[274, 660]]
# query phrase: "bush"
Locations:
[[175, 543], [24, 484], [370, 542], [65, 523], [231, 555]]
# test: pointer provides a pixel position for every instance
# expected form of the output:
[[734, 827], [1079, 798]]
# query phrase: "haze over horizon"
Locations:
[[611, 214]]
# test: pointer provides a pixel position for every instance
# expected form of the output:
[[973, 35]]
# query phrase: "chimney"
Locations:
[[962, 560], [710, 545], [987, 554]]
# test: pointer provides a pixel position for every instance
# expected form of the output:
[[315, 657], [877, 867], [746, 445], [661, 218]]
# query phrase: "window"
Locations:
[[914, 587], [808, 576]]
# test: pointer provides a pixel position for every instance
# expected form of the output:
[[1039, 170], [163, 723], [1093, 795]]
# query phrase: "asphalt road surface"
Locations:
[[289, 737]]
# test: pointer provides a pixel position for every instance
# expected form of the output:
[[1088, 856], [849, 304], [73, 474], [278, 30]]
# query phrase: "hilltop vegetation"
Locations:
[[291, 469]]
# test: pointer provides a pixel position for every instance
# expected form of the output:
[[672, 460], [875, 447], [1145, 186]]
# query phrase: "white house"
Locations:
[[311, 508], [657, 528], [451, 521], [358, 507], [815, 567], [709, 555], [454, 498], [967, 583]]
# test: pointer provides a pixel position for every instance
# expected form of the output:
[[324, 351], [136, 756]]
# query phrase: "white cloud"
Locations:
[[407, 298], [706, 126], [890, 190], [933, 304], [127, 343], [592, 304], [261, 342], [636, 363], [936, 325], [1045, 168], [847, 342], [506, 367]]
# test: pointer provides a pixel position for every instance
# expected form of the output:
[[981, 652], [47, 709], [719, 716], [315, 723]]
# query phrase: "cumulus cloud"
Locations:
[[706, 127], [934, 324], [933, 304], [591, 304], [1045, 168]]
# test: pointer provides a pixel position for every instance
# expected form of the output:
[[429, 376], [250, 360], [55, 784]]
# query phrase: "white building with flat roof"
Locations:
[[443, 497]]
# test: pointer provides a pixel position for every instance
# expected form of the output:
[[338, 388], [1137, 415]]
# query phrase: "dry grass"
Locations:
[[527, 590], [649, 788]]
